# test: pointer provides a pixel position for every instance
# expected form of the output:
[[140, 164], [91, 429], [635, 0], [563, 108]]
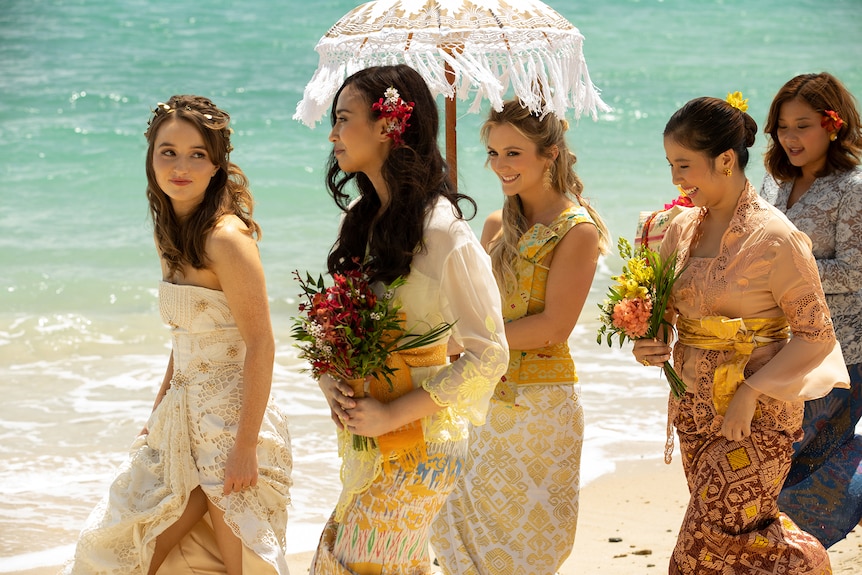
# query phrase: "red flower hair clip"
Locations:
[[832, 122], [396, 111]]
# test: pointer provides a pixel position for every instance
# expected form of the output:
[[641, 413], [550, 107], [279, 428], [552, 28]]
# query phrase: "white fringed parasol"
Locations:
[[463, 48]]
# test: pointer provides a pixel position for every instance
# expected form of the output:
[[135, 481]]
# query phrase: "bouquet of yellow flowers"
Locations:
[[635, 306]]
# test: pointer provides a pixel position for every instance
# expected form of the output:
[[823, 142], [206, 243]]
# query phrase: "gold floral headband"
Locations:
[[736, 100], [161, 106], [396, 111], [226, 131]]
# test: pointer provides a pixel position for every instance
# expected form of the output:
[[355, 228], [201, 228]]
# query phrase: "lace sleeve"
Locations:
[[472, 301], [843, 272], [769, 189], [795, 284]]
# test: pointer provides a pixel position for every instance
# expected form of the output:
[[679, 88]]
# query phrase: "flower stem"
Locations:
[[677, 385]]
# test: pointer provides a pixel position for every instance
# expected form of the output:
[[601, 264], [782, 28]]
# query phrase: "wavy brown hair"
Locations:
[[415, 172], [182, 242], [822, 92], [546, 133]]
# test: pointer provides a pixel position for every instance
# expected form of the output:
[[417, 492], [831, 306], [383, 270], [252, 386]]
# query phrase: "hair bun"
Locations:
[[750, 129]]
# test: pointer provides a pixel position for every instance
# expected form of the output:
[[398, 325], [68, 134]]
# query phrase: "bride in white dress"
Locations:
[[206, 485]]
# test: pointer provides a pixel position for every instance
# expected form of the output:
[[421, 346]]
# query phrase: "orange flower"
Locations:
[[632, 316], [831, 121]]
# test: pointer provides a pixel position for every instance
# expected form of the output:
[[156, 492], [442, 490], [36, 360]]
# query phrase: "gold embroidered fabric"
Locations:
[[549, 365], [742, 336], [190, 435], [515, 507], [733, 525], [450, 281], [359, 468]]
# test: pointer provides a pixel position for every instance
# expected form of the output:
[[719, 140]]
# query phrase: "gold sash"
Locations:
[[741, 336], [405, 444], [359, 467]]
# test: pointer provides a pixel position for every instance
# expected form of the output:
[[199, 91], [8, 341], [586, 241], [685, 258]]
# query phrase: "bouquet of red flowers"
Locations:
[[635, 307], [347, 330]]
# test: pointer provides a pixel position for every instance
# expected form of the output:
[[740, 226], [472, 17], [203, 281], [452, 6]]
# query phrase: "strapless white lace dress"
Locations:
[[190, 435]]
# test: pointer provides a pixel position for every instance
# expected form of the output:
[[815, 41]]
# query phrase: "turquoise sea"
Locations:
[[82, 349]]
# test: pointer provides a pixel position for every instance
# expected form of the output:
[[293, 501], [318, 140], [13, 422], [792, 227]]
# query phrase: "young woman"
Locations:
[[544, 247], [407, 223], [813, 176], [206, 484], [749, 282]]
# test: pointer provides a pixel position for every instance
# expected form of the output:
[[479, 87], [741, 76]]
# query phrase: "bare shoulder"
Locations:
[[583, 231], [493, 226], [581, 240], [230, 229], [229, 238]]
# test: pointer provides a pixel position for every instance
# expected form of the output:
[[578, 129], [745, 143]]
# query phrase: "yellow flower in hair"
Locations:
[[735, 99]]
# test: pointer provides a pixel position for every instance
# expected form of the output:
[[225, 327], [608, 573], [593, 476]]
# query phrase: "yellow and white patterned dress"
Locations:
[[382, 521], [190, 434], [515, 507]]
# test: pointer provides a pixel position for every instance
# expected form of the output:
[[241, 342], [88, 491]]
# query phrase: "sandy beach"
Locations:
[[627, 526]]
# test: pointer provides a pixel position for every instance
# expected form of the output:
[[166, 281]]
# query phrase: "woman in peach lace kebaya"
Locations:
[[749, 282]]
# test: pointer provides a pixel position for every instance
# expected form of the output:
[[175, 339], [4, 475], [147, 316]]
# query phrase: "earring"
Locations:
[[728, 172], [547, 180], [833, 136]]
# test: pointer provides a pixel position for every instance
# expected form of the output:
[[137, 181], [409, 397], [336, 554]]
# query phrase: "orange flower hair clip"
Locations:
[[396, 111], [832, 122]]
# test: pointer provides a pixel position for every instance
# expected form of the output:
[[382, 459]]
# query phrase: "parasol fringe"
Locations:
[[547, 76]]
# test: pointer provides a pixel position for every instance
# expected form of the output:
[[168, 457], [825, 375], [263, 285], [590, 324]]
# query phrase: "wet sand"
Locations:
[[627, 526]]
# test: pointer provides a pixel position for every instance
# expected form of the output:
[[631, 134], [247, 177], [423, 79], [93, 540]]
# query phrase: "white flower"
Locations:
[[316, 330], [391, 94]]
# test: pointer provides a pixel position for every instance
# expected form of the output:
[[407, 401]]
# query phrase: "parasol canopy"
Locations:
[[469, 49]]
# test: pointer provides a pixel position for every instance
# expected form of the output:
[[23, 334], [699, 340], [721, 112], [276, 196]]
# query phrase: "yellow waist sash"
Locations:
[[549, 365], [742, 336], [405, 444], [359, 467]]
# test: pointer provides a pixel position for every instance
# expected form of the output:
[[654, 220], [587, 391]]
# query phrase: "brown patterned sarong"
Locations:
[[733, 524]]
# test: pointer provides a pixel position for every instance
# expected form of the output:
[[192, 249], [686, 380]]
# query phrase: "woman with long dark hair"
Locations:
[[406, 222]]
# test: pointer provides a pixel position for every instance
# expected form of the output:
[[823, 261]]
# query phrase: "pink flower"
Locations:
[[632, 316], [682, 200]]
